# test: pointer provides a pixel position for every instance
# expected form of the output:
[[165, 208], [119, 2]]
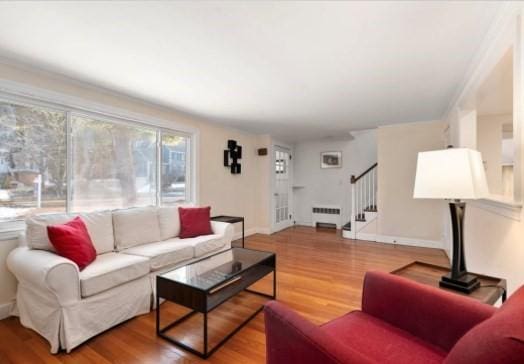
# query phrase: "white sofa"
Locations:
[[67, 307]]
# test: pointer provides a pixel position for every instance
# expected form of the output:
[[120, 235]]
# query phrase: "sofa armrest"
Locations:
[[292, 339], [47, 272], [434, 315], [226, 230]]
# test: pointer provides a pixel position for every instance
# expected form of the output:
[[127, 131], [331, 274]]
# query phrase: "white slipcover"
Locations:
[[36, 229], [99, 225], [163, 253], [135, 227], [202, 245], [169, 221], [48, 299], [110, 270], [67, 307]]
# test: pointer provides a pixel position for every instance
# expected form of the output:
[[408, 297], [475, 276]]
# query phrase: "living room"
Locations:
[[250, 182]]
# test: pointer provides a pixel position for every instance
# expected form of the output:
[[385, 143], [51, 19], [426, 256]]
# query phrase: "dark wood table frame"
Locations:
[[204, 301], [231, 220], [490, 291]]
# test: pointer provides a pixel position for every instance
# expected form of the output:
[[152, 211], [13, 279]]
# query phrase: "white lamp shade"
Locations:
[[456, 173]]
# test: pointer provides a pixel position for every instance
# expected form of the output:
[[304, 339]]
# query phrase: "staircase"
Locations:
[[363, 224]]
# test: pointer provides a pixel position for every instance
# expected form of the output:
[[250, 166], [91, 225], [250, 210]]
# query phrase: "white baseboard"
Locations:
[[5, 309], [304, 223], [265, 231], [252, 231], [409, 241], [367, 237]]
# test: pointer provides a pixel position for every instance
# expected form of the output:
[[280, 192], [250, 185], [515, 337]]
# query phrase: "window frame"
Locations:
[[23, 95], [189, 166]]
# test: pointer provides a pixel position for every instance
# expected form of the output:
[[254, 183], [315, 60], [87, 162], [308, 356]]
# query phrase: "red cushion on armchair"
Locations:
[[194, 221]]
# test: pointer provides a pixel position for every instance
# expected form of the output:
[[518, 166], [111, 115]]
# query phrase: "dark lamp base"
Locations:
[[466, 283]]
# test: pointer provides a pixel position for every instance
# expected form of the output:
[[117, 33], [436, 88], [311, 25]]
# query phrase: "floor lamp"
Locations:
[[454, 175]]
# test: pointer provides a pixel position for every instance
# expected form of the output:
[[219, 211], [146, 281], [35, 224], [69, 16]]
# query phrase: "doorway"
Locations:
[[282, 189]]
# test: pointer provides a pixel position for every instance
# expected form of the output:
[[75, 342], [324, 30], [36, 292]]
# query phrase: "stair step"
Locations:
[[347, 226], [372, 208]]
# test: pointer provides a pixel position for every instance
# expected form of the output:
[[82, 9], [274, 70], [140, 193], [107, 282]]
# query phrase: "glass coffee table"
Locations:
[[205, 284]]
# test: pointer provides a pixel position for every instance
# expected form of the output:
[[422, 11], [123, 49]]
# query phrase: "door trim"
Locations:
[[289, 149]]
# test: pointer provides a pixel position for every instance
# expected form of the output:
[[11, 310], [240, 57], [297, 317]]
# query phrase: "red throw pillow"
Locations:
[[194, 221], [72, 241]]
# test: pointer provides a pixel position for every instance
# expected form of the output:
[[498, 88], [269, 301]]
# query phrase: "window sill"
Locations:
[[10, 230], [500, 206]]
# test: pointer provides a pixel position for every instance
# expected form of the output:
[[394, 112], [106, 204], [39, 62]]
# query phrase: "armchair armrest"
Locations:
[[434, 315], [46, 272], [292, 339], [224, 229]]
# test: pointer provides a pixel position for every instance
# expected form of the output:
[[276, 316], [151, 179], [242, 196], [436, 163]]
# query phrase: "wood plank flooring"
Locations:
[[319, 274]]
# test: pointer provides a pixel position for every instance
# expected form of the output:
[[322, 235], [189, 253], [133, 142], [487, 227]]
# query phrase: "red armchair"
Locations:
[[401, 322]]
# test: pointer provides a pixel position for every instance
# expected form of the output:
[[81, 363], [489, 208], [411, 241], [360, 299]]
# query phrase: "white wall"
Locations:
[[244, 194], [7, 280], [494, 231], [489, 143], [329, 186], [402, 218]]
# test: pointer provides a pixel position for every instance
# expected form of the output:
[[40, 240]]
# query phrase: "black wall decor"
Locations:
[[233, 153]]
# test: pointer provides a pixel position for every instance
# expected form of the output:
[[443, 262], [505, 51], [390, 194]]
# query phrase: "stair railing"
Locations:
[[363, 196]]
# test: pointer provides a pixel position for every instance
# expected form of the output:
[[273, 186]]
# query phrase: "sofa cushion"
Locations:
[[163, 253], [135, 226], [110, 270], [72, 241], [205, 244], [169, 222], [499, 339], [36, 230], [99, 225], [380, 341]]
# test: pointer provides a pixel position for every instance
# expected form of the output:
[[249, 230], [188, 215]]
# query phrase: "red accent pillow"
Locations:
[[194, 221], [72, 241]]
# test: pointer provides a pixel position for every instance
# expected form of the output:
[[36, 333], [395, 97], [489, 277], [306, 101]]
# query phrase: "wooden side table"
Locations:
[[490, 290], [231, 220]]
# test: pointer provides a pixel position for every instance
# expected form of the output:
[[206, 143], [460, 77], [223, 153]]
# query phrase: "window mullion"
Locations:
[[158, 166], [69, 162]]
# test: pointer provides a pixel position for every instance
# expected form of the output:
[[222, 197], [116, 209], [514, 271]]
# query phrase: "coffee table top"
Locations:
[[209, 272]]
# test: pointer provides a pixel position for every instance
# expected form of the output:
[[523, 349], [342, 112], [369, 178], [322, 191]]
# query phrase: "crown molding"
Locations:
[[499, 37]]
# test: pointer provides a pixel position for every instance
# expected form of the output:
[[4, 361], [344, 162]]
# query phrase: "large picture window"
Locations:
[[107, 164], [113, 165], [174, 171], [32, 160]]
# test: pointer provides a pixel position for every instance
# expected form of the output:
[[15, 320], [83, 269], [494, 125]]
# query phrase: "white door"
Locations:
[[282, 191]]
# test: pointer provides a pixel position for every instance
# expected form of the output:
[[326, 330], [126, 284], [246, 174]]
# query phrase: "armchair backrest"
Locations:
[[499, 339]]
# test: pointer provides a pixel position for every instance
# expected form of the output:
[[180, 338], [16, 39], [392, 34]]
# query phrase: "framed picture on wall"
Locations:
[[330, 159]]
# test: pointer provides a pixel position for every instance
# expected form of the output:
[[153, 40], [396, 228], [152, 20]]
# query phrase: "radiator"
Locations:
[[324, 214]]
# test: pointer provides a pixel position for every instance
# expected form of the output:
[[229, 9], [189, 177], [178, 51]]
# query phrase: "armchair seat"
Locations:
[[401, 322], [380, 341]]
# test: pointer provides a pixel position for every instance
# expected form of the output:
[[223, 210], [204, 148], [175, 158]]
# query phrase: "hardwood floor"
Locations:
[[319, 274]]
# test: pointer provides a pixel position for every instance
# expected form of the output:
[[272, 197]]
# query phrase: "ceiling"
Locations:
[[296, 70]]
